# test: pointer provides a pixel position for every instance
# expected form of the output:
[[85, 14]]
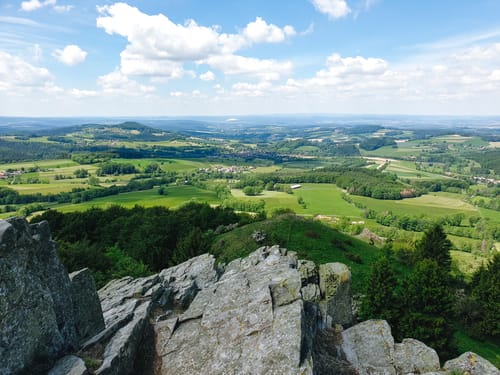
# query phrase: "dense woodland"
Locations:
[[117, 242]]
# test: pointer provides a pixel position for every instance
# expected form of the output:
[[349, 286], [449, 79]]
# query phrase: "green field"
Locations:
[[432, 205], [55, 163], [324, 199], [174, 197]]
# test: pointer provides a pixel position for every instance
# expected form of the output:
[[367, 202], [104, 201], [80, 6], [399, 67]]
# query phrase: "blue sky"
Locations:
[[199, 57]]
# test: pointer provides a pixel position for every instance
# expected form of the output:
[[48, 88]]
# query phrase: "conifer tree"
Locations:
[[427, 309], [380, 299], [435, 246], [486, 295]]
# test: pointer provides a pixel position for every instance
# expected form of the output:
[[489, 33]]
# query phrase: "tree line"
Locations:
[[117, 241]]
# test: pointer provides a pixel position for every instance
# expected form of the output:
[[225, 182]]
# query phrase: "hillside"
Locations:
[[311, 240]]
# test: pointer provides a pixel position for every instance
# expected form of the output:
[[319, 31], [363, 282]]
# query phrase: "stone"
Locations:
[[185, 280], [308, 272], [472, 363], [36, 311], [311, 292], [69, 365], [86, 305], [369, 347], [122, 350], [413, 356], [251, 320], [335, 286]]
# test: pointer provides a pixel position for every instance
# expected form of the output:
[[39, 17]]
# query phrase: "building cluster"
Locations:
[[8, 174], [225, 169]]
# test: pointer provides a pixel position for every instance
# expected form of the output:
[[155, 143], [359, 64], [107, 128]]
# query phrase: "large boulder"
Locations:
[[36, 311], [413, 356], [335, 286], [472, 364], [69, 365], [86, 305], [248, 322], [369, 347]]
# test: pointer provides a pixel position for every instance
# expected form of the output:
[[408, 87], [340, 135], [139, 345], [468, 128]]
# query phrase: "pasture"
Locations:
[[324, 199], [173, 197], [432, 205]]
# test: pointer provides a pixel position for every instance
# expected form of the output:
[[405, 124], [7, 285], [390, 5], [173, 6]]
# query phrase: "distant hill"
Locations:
[[132, 131]]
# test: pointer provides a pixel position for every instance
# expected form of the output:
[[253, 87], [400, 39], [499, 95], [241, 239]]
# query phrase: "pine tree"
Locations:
[[435, 246], [380, 299], [428, 307], [486, 295]]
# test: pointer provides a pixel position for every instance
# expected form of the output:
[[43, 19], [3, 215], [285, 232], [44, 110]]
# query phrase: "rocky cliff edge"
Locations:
[[268, 313]]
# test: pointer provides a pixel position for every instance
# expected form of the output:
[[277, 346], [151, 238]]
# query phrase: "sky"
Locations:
[[249, 57]]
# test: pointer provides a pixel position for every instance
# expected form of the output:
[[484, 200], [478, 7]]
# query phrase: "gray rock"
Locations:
[[308, 272], [311, 292], [69, 365], [86, 305], [248, 322], [473, 364], [369, 348], [122, 350], [413, 356], [185, 280], [335, 286], [36, 312]]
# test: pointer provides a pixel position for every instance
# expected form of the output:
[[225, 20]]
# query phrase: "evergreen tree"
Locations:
[[435, 246], [486, 295], [380, 298], [428, 307]]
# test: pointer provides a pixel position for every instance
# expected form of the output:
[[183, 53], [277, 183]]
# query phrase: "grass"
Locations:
[[311, 239], [467, 263], [485, 348], [431, 205], [174, 197], [322, 199], [54, 163]]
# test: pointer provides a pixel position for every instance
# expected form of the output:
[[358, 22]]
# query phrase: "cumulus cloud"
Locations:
[[207, 76], [333, 8], [251, 89], [158, 47], [31, 5], [17, 74], [70, 55], [77, 93], [117, 83], [259, 31], [265, 69]]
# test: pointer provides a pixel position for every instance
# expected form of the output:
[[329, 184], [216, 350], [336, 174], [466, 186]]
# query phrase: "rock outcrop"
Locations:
[[471, 363], [268, 313], [36, 310], [86, 305]]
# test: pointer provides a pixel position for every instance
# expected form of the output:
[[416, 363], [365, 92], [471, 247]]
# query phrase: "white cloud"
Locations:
[[77, 93], [207, 76], [333, 8], [495, 75], [259, 31], [31, 5], [262, 68], [177, 94], [63, 8], [251, 89], [71, 55], [17, 74], [158, 47], [117, 83]]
